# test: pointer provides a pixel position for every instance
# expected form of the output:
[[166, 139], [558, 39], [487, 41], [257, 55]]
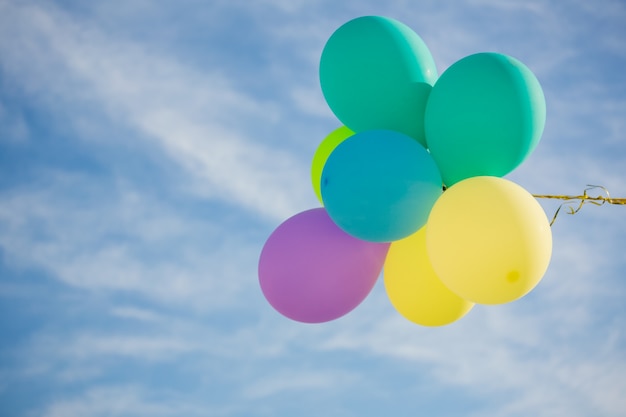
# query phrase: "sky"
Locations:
[[149, 148]]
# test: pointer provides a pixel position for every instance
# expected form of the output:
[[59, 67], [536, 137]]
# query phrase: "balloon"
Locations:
[[376, 73], [488, 240], [379, 185], [484, 116], [413, 287], [312, 272], [321, 155]]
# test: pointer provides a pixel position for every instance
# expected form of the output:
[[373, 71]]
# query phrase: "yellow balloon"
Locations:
[[321, 155], [488, 240], [414, 289]]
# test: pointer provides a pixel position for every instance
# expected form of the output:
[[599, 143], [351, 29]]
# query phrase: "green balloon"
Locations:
[[484, 116], [376, 73], [324, 149]]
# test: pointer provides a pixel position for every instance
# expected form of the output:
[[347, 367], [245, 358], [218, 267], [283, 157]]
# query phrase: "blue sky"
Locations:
[[148, 149]]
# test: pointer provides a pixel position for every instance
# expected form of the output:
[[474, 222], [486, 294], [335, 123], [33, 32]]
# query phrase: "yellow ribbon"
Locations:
[[581, 200]]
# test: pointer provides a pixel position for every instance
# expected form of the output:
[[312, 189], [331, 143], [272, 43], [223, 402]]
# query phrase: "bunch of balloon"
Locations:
[[407, 136]]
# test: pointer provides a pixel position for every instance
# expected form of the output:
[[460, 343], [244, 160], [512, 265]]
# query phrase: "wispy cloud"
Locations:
[[200, 119], [284, 382], [109, 237], [130, 400], [506, 356]]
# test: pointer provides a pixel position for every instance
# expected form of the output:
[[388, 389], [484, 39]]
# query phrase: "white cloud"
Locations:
[[134, 313], [314, 382], [13, 128], [123, 401], [131, 346], [108, 237], [199, 119]]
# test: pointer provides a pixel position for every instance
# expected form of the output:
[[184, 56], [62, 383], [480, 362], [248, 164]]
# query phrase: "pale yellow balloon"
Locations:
[[414, 289], [488, 240]]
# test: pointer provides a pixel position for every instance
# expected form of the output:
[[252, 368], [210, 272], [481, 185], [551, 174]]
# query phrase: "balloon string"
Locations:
[[575, 202]]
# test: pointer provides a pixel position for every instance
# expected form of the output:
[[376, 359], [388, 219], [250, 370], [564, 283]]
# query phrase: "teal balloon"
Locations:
[[380, 185], [376, 73], [485, 115]]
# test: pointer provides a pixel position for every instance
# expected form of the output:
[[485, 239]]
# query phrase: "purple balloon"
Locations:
[[311, 271]]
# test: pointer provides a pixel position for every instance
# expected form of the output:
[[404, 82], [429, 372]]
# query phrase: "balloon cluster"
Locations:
[[408, 135]]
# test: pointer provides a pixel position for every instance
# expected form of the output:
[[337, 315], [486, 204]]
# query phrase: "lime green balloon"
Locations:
[[324, 149], [414, 288], [376, 73], [488, 240], [484, 116]]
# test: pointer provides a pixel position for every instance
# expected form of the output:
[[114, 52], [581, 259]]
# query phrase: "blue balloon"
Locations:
[[380, 185]]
